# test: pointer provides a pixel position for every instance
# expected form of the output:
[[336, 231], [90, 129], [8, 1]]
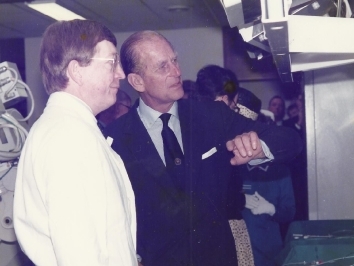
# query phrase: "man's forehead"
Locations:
[[277, 100], [157, 51], [155, 44]]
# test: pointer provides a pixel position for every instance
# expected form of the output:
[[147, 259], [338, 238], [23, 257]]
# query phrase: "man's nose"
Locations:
[[175, 70], [119, 73]]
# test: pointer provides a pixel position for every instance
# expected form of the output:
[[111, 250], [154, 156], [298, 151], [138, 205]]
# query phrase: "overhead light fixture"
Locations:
[[53, 10]]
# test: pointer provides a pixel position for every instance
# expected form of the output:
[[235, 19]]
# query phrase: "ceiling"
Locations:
[[19, 21]]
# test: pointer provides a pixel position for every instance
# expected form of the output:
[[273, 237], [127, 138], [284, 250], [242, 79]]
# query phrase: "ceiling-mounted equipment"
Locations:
[[301, 35]]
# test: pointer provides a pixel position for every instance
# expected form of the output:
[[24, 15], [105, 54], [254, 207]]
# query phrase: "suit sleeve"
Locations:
[[284, 143]]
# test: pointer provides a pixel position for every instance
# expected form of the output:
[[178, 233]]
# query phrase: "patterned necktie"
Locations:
[[173, 153]]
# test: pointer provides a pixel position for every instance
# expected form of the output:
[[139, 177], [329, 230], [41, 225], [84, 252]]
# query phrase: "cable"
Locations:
[[7, 171], [16, 80], [32, 101], [20, 135]]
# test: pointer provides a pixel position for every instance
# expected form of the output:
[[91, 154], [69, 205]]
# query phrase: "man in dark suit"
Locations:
[[183, 217]]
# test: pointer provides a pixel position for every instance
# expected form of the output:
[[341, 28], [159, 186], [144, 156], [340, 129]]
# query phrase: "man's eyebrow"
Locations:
[[161, 62]]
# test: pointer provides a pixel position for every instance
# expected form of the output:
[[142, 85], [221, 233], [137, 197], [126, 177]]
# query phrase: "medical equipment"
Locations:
[[13, 133]]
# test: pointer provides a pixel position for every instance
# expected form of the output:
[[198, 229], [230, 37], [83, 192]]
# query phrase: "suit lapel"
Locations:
[[143, 149], [192, 130]]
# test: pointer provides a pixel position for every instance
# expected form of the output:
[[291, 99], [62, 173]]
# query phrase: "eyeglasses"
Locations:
[[114, 61]]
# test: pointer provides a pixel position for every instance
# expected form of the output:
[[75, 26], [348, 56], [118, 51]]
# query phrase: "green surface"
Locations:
[[324, 242]]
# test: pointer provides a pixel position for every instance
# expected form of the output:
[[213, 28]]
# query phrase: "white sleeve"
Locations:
[[267, 153]]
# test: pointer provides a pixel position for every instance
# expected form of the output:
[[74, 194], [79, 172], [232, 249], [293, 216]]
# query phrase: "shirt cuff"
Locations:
[[269, 156]]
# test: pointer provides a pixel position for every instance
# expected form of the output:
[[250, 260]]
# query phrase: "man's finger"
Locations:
[[230, 145], [246, 144], [239, 145], [236, 159], [254, 139]]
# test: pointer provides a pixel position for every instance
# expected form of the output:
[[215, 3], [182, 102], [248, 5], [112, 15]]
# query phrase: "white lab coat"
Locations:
[[74, 204]]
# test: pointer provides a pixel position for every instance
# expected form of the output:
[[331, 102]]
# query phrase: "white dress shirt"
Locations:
[[153, 124]]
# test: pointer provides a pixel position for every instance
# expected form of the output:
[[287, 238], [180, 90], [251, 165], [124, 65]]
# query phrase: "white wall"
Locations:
[[329, 95]]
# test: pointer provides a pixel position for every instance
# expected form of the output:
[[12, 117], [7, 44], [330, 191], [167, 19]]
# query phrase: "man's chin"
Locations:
[[178, 94]]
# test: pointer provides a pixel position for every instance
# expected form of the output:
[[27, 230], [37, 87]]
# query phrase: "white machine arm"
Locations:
[[13, 133]]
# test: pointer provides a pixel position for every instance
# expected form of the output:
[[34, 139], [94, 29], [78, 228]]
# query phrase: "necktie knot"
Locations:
[[165, 118]]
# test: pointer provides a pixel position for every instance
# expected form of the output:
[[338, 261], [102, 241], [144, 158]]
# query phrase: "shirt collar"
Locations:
[[150, 115], [261, 167]]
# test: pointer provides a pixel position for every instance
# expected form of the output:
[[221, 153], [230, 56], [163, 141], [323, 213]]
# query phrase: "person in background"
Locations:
[[280, 192], [118, 109], [298, 166], [296, 115], [269, 193], [74, 204], [292, 110], [277, 107], [188, 88], [215, 83], [180, 157]]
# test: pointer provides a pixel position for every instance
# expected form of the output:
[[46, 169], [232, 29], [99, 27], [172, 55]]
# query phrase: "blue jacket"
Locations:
[[272, 182]]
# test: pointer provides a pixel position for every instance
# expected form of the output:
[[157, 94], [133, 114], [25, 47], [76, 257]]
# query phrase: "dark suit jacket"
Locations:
[[291, 123], [190, 227]]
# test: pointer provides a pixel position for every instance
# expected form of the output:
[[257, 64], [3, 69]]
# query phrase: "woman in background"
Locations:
[[217, 83], [267, 188]]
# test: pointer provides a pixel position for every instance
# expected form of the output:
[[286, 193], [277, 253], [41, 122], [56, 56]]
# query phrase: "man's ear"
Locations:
[[74, 72], [136, 81]]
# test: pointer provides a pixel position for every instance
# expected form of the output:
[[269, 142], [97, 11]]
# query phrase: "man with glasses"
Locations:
[[74, 204], [179, 156]]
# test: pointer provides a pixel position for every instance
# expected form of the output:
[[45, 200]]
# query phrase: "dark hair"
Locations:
[[130, 56], [249, 100], [64, 41], [213, 81], [291, 107], [248, 104], [122, 96], [265, 119], [188, 86]]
